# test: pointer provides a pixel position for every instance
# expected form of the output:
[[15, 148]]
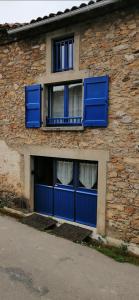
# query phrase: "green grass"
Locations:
[[119, 254]]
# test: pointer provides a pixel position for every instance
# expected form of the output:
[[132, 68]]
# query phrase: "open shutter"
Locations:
[[96, 101], [33, 106]]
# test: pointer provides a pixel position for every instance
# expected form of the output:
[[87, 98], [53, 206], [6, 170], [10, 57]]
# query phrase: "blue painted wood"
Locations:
[[66, 58], [96, 91], [66, 102], [65, 55], [86, 207], [72, 54], [58, 55], [71, 121], [44, 199], [59, 59], [67, 201], [49, 101], [64, 203], [33, 106], [56, 67]]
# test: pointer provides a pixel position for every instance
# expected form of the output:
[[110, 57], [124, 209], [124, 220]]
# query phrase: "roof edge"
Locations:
[[62, 17]]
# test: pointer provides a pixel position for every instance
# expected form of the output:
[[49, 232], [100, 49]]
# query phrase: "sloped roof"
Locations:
[[74, 15], [67, 10], [51, 15], [8, 26]]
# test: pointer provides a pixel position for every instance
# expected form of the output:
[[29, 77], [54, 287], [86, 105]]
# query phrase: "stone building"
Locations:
[[69, 94]]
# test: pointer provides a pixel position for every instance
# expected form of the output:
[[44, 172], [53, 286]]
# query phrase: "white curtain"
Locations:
[[75, 100], [58, 102], [64, 171], [88, 174]]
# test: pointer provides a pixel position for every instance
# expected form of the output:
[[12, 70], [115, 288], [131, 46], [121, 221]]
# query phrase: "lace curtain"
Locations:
[[64, 171], [58, 102], [75, 100], [88, 174]]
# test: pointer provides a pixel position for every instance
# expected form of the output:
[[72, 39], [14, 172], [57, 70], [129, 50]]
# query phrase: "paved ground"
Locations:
[[35, 265]]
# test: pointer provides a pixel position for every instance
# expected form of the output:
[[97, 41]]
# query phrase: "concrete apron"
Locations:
[[132, 248]]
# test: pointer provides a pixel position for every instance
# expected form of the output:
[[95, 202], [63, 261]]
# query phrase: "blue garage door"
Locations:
[[72, 194], [64, 190], [44, 199], [86, 207]]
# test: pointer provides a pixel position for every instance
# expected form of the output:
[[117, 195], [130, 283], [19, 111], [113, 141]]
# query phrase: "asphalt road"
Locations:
[[36, 265]]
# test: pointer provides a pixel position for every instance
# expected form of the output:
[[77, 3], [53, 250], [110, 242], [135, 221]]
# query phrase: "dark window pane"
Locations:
[[43, 167], [58, 57]]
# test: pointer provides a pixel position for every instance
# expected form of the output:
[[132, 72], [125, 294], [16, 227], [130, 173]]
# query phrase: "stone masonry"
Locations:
[[108, 45]]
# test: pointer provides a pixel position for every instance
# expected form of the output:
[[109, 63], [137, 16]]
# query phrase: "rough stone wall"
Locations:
[[113, 49], [108, 45], [20, 63]]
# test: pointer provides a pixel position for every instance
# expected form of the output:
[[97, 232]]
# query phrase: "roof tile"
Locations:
[[51, 15]]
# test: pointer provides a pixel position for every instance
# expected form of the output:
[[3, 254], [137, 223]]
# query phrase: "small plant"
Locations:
[[124, 249], [3, 203], [120, 254]]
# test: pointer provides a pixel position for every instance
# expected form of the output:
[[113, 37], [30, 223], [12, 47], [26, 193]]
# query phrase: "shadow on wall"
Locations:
[[11, 200]]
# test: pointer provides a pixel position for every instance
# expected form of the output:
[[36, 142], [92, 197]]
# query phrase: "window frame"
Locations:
[[57, 47], [66, 120]]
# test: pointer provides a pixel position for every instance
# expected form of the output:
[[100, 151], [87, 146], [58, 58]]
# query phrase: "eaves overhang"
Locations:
[[101, 7]]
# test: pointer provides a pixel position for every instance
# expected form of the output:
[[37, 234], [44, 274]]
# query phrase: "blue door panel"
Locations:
[[79, 206], [44, 199], [86, 207], [64, 203]]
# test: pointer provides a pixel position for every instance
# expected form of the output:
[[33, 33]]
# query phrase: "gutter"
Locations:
[[68, 15]]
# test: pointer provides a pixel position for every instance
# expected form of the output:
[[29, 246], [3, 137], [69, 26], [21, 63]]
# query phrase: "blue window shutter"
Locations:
[[33, 106], [96, 92]]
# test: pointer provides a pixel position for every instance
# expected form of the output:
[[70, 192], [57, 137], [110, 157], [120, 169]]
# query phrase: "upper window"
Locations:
[[65, 104], [63, 55]]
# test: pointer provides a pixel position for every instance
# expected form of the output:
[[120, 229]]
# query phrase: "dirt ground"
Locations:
[[37, 265]]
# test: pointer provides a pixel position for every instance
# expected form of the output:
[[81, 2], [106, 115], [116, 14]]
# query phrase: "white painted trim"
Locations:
[[62, 128]]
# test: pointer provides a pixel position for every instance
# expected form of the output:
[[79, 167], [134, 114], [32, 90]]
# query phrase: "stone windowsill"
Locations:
[[63, 128]]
